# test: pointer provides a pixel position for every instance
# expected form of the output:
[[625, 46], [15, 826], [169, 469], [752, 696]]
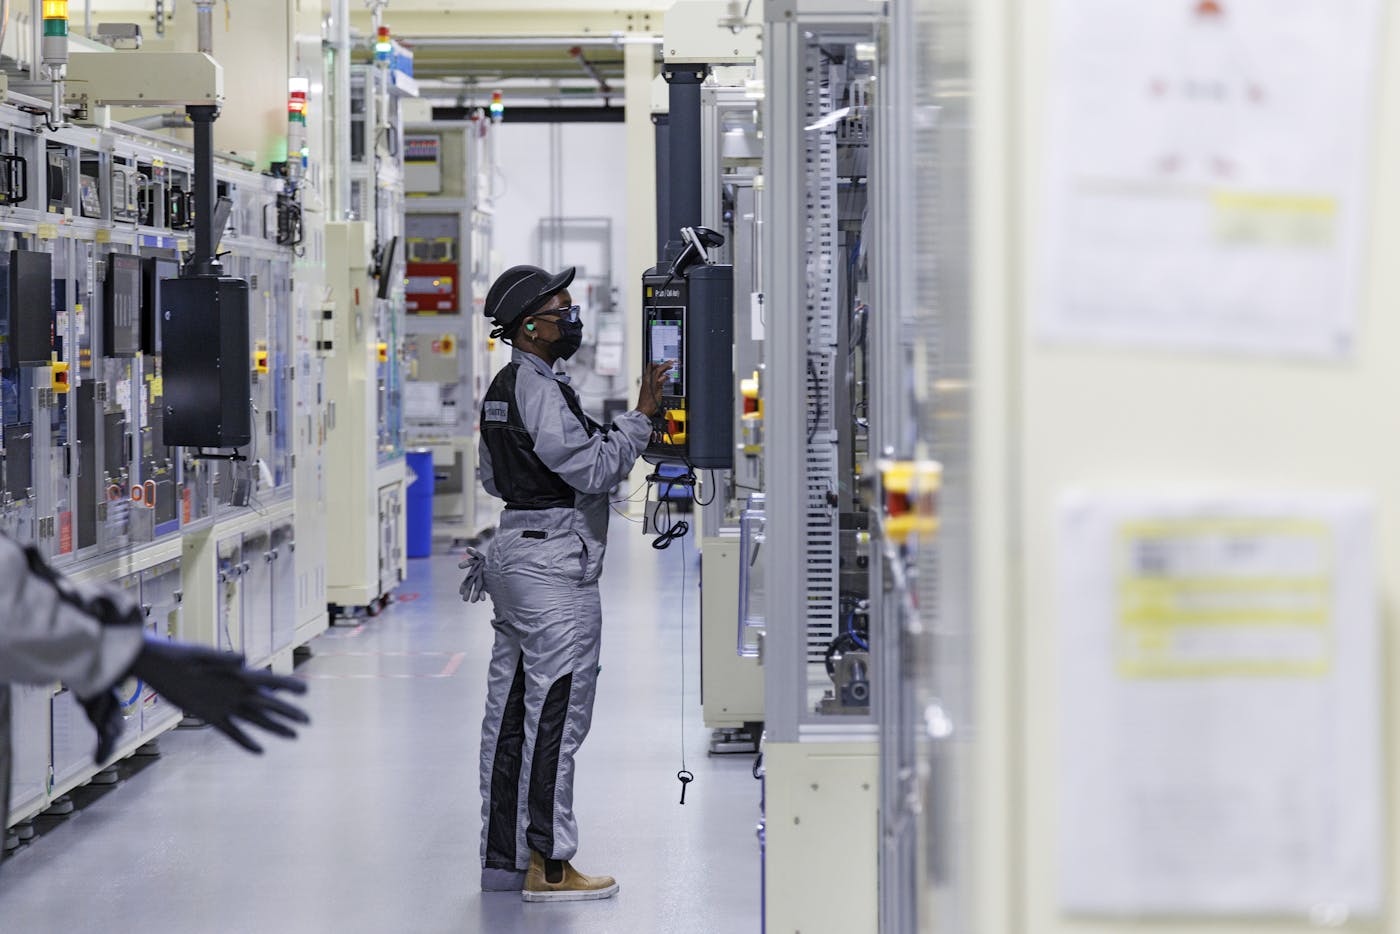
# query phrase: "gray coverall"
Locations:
[[554, 467], [46, 636]]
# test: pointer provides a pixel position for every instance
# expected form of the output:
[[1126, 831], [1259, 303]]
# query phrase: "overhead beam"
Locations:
[[562, 21]]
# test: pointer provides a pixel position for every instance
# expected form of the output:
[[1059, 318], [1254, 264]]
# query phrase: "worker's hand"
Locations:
[[474, 584], [653, 381], [219, 689], [104, 711]]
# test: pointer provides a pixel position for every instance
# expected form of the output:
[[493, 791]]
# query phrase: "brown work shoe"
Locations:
[[574, 886]]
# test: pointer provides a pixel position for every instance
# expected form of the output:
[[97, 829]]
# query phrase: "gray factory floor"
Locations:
[[371, 822]]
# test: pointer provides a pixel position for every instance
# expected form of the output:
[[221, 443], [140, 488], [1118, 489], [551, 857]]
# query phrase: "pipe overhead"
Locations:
[[340, 170], [591, 69]]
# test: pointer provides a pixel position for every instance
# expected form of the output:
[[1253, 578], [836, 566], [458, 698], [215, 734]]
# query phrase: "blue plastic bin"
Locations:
[[420, 504]]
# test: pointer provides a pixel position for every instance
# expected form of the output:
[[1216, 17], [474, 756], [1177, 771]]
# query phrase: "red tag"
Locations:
[[187, 501], [65, 532]]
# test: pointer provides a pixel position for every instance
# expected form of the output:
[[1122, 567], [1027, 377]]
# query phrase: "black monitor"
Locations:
[[121, 319], [31, 307]]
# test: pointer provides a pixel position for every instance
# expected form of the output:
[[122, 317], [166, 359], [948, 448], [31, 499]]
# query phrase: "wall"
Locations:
[[568, 170], [1052, 418]]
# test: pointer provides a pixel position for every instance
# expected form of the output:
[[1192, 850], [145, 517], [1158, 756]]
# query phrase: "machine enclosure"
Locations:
[[30, 308], [206, 362], [121, 325], [705, 295]]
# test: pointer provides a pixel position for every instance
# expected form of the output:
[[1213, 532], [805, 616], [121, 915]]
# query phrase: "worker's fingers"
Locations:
[[260, 719], [267, 702], [231, 730], [274, 682]]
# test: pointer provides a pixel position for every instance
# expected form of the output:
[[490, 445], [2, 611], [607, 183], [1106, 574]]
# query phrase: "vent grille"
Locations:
[[822, 529]]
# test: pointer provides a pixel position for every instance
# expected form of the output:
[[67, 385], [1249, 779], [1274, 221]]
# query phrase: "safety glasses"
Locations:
[[570, 314]]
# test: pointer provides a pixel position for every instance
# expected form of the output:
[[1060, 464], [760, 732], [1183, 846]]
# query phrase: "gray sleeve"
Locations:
[[484, 469], [45, 636], [589, 464]]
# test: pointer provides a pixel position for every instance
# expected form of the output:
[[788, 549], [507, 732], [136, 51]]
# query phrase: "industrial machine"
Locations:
[[447, 229], [819, 515], [366, 555], [688, 321], [160, 383]]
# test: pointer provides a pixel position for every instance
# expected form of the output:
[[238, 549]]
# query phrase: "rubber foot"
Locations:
[[62, 807]]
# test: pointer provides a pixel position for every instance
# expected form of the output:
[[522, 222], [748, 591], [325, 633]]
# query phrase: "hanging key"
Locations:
[[685, 778]]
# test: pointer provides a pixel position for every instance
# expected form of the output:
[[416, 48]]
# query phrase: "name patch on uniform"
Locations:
[[496, 411]]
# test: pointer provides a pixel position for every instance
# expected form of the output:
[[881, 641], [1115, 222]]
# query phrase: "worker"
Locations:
[[91, 637], [555, 468]]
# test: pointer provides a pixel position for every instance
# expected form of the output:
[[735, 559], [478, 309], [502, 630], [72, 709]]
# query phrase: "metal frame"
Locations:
[[890, 437], [79, 243], [922, 161], [789, 27], [716, 101]]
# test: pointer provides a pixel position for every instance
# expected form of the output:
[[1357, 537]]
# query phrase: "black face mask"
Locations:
[[569, 340]]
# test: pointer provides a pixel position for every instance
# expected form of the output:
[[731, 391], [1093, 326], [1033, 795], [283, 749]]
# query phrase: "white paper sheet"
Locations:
[[422, 401], [608, 360], [1220, 707], [1205, 173]]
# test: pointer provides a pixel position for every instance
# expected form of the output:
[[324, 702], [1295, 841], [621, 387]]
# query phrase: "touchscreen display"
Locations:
[[668, 343]]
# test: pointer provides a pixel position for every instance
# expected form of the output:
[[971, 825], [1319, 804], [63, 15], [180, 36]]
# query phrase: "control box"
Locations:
[[688, 319], [206, 362]]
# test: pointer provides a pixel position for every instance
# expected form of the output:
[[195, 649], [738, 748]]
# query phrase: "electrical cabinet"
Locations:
[[391, 530], [232, 567], [29, 746], [446, 278], [282, 562], [256, 597], [162, 598], [98, 465]]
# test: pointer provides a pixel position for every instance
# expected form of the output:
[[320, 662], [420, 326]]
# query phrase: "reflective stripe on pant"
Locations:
[[540, 690]]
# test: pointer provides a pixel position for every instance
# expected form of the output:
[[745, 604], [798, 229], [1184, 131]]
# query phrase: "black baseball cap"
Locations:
[[522, 290]]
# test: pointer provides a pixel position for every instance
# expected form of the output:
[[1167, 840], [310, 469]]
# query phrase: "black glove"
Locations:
[[217, 688], [105, 712]]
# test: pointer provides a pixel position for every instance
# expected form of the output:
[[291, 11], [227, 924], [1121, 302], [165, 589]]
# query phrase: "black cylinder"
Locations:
[[684, 144], [205, 192], [663, 183]]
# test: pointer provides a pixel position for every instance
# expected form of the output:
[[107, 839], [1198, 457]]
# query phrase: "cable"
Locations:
[[626, 516], [713, 493], [631, 497], [684, 776], [851, 630], [815, 379], [675, 529]]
